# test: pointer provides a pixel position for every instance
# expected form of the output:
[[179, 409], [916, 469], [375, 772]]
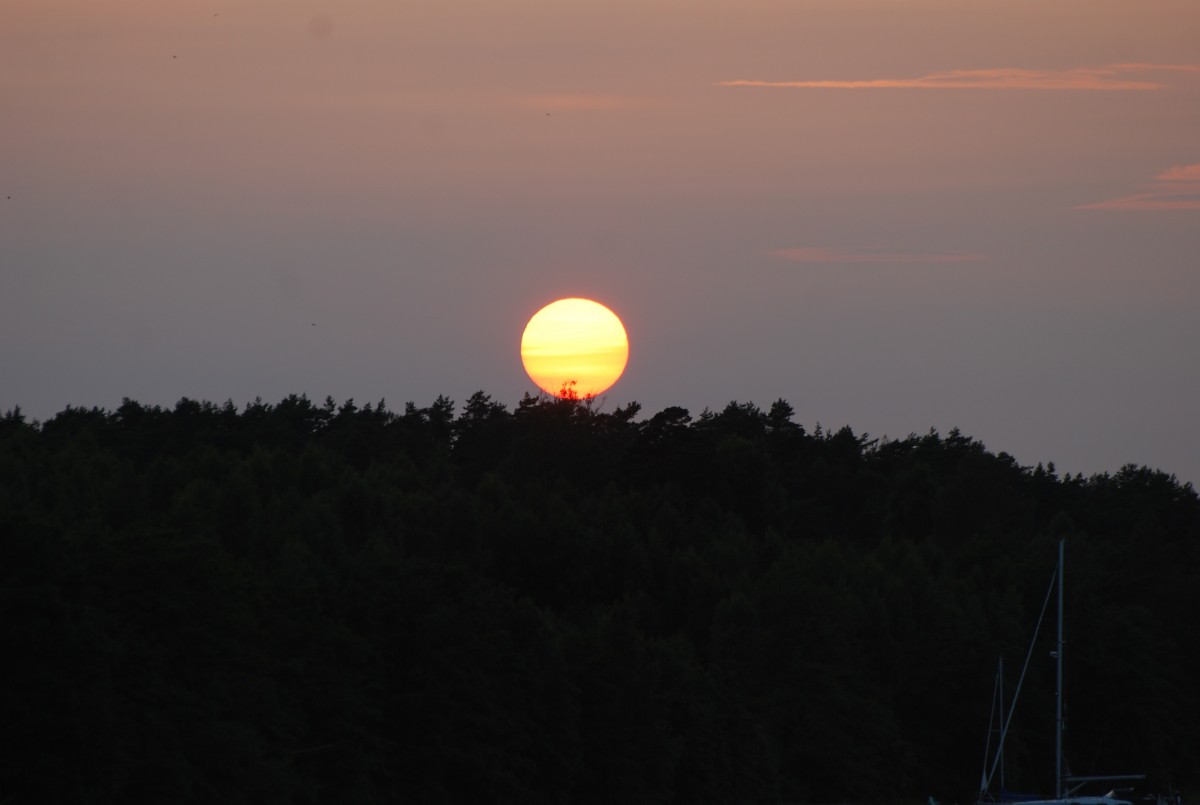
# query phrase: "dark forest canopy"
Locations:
[[301, 602]]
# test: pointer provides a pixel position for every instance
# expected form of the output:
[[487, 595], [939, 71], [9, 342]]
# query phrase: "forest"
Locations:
[[303, 602]]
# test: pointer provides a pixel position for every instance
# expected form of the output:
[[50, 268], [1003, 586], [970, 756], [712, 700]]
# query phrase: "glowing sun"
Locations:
[[574, 348]]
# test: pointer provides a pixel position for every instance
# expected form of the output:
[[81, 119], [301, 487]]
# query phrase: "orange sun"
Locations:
[[574, 348]]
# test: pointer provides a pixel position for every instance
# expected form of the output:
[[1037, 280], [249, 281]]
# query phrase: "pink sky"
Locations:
[[897, 216]]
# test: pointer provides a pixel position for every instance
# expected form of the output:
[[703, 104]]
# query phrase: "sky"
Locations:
[[896, 215]]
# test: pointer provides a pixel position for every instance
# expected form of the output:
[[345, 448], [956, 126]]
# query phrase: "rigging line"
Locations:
[[996, 692], [987, 747], [1024, 668]]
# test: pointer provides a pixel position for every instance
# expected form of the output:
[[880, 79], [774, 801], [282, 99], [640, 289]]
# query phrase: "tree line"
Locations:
[[301, 602]]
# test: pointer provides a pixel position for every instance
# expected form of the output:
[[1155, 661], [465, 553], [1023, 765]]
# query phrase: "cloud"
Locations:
[[1147, 201], [820, 254], [1181, 173], [1113, 77], [1177, 188]]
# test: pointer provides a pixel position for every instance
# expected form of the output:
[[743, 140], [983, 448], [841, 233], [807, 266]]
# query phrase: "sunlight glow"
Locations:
[[574, 347]]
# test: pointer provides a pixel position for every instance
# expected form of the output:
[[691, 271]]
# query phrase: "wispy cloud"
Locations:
[[1113, 77], [821, 254], [1177, 188], [1180, 173]]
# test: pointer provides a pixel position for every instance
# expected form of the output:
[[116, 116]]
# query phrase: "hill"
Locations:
[[301, 602]]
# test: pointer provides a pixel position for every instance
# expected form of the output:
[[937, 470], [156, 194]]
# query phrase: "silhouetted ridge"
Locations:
[[303, 602]]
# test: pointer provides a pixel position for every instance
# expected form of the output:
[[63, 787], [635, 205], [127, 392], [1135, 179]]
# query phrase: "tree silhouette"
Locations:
[[302, 602]]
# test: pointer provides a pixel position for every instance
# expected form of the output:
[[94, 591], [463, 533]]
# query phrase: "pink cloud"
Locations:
[[819, 254], [1181, 173], [1108, 78], [1177, 188]]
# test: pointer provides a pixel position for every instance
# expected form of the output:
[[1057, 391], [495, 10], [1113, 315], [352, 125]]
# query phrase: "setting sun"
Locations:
[[574, 347]]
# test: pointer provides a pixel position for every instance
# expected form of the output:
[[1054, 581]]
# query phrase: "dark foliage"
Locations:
[[326, 603]]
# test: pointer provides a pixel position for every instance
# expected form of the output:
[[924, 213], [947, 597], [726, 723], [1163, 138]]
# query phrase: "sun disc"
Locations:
[[574, 348]]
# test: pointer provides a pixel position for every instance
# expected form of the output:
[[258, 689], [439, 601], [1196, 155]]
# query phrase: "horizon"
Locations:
[[600, 404], [896, 218]]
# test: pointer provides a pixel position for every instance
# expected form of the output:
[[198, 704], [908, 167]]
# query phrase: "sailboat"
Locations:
[[1066, 786]]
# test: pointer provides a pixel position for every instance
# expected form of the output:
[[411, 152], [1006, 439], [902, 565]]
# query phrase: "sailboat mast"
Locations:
[[1058, 696]]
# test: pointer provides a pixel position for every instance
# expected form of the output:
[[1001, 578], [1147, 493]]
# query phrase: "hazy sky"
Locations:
[[895, 214]]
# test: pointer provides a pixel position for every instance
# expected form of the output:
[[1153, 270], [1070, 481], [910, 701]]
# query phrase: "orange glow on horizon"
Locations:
[[574, 347]]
